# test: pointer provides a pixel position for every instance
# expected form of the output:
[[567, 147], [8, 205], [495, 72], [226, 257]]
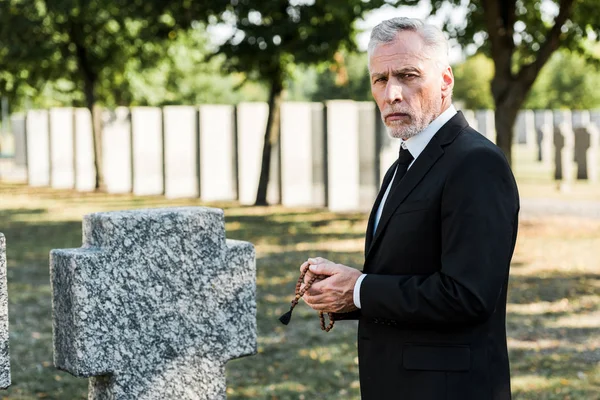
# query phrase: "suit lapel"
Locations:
[[417, 172], [386, 181]]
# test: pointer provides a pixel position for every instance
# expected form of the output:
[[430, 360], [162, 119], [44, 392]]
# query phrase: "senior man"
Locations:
[[431, 298]]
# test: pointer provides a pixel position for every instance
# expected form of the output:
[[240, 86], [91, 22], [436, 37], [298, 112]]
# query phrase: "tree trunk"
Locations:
[[509, 94], [90, 78], [504, 120], [271, 138], [96, 112]]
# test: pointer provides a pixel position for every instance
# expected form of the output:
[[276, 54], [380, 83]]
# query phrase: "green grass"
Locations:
[[554, 296]]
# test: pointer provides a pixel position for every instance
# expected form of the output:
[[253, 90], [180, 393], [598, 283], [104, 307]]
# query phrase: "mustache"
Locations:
[[386, 113]]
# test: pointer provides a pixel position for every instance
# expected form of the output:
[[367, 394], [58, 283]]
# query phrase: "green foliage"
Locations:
[[532, 23], [84, 43], [567, 81], [271, 37], [472, 82], [187, 75], [348, 78]]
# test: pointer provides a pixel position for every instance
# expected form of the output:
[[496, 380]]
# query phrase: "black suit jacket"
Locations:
[[433, 303]]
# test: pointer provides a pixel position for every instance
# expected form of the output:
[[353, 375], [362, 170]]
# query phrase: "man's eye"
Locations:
[[380, 80], [408, 76]]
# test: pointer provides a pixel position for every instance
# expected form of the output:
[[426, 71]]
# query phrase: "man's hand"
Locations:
[[334, 293]]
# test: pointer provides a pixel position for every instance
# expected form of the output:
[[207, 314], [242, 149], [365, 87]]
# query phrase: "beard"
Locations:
[[416, 122]]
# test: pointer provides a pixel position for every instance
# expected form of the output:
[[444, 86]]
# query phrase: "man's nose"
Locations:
[[393, 91]]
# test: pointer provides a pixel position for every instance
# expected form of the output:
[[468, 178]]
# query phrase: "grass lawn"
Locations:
[[554, 295]]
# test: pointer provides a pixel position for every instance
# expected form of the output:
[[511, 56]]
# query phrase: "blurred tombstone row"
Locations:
[[330, 155]]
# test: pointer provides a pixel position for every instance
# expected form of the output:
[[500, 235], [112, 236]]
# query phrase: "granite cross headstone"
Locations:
[[544, 122], [587, 146], [154, 304], [564, 150], [4, 357]]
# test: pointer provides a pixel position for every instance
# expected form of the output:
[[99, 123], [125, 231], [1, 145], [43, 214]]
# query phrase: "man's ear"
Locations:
[[447, 82]]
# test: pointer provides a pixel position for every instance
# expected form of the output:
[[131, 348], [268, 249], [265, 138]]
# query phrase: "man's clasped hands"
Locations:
[[333, 290]]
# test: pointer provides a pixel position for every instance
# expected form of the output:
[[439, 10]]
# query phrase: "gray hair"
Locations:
[[435, 41]]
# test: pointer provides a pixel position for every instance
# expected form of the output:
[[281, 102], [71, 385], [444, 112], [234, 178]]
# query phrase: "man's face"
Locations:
[[410, 88]]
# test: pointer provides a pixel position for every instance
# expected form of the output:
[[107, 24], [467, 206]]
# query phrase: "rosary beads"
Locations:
[[285, 318]]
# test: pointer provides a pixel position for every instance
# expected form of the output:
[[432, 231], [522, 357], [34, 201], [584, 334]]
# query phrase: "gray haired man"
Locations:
[[431, 298]]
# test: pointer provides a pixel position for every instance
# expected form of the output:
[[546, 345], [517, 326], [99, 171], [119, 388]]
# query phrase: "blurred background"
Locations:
[[263, 108]]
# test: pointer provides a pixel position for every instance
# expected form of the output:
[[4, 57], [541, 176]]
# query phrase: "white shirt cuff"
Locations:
[[356, 296]]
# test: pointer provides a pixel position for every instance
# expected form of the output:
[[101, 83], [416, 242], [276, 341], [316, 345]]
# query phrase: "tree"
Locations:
[[186, 75], [520, 36], [472, 81], [568, 81], [85, 42], [269, 37]]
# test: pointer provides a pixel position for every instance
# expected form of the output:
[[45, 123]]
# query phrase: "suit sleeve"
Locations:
[[479, 209]]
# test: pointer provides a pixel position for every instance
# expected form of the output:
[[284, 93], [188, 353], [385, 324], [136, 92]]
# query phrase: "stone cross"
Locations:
[[587, 148], [544, 122], [4, 356], [564, 152], [154, 304]]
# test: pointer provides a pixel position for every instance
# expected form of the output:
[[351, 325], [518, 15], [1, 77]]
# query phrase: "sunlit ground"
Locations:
[[553, 312]]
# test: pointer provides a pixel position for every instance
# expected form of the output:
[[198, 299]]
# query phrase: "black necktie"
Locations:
[[404, 160]]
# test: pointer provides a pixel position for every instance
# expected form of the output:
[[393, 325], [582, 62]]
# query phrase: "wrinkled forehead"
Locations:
[[407, 49]]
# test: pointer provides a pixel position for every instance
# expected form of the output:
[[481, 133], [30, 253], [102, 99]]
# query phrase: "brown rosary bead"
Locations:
[[285, 318]]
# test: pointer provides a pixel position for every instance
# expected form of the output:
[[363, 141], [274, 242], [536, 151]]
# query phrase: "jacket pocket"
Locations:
[[419, 357], [411, 206]]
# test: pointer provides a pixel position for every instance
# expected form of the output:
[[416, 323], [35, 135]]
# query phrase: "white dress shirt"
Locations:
[[415, 145]]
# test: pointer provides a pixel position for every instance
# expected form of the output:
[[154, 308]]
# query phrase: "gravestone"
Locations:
[[17, 126], [38, 148], [595, 117], [470, 117], [17, 170], [181, 151], [85, 172], [587, 149], [116, 150], [525, 132], [218, 154], [147, 145], [544, 124], [251, 123], [485, 124], [351, 158], [154, 304], [4, 355], [62, 158], [580, 118], [564, 149], [563, 116], [302, 155]]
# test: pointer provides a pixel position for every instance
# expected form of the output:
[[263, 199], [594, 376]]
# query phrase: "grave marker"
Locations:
[[85, 172], [62, 157], [564, 142], [218, 155], [545, 135], [147, 136], [587, 149], [4, 355], [302, 154], [116, 150], [154, 304], [181, 151], [38, 148]]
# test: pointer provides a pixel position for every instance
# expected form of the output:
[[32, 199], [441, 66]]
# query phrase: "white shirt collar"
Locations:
[[417, 143]]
